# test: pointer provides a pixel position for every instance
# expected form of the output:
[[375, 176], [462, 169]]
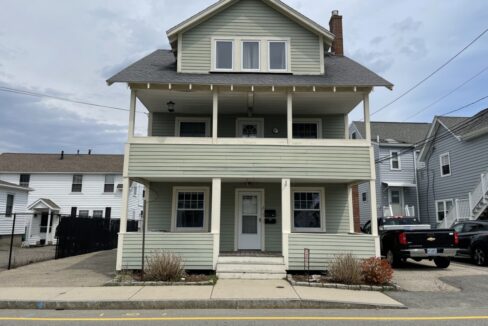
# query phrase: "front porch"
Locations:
[[206, 221]]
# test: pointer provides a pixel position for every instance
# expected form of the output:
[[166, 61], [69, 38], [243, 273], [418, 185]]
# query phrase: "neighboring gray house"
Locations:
[[454, 180], [248, 149], [395, 153]]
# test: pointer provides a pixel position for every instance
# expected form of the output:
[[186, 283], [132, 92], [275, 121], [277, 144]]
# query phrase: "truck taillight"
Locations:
[[402, 239], [456, 238]]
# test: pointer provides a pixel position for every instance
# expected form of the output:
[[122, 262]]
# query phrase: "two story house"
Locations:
[[454, 178], [13, 200], [247, 152], [67, 184], [396, 148]]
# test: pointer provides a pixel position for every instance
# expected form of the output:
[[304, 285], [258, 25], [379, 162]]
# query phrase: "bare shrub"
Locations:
[[164, 267], [346, 269], [376, 271]]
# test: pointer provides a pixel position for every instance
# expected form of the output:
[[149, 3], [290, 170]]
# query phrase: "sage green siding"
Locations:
[[250, 18], [163, 125], [257, 161], [195, 249], [323, 247]]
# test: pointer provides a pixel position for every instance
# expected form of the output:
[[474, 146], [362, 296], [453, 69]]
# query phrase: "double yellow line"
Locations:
[[245, 318]]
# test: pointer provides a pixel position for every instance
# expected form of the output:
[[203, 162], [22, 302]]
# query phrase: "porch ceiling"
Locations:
[[238, 102], [249, 181]]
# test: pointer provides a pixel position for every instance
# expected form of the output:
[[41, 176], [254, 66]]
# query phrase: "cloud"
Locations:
[[406, 25]]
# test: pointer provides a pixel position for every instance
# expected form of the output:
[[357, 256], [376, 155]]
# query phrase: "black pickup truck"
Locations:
[[405, 237]]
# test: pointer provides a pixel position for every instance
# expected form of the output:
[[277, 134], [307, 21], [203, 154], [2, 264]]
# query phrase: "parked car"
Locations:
[[473, 241], [405, 237]]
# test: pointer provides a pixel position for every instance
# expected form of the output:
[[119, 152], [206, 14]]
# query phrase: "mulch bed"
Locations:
[[324, 281], [135, 279]]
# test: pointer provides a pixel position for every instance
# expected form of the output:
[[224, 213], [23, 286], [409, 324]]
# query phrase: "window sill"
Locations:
[[76, 193]]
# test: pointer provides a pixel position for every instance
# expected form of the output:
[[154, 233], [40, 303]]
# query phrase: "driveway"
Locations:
[[94, 269]]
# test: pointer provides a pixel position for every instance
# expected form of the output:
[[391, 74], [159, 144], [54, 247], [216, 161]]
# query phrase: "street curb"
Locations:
[[190, 304]]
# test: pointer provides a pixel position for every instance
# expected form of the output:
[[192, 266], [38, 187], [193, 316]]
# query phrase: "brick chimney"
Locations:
[[335, 25]]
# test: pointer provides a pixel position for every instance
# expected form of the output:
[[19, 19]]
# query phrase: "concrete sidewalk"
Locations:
[[226, 294]]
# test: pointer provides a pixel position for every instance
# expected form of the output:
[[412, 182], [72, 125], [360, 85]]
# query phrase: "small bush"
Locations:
[[345, 269], [376, 271], [164, 267]]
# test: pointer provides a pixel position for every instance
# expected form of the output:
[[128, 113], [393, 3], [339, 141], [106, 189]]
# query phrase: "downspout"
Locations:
[[416, 182]]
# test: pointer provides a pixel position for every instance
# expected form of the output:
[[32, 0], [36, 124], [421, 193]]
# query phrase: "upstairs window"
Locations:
[[9, 207], [278, 56], [109, 184], [395, 160], [307, 129], [77, 183], [192, 127], [250, 55], [24, 180], [224, 55], [445, 165]]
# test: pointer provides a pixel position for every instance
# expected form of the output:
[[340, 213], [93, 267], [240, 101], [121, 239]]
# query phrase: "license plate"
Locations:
[[432, 251]]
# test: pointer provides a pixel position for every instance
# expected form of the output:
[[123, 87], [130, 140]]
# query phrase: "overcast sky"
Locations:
[[69, 49]]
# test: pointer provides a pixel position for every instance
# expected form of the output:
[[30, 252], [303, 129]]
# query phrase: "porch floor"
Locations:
[[251, 253]]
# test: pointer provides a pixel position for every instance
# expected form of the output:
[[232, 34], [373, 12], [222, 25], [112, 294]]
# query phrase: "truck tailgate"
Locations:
[[430, 238]]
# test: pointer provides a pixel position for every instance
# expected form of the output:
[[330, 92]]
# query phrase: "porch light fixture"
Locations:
[[171, 106]]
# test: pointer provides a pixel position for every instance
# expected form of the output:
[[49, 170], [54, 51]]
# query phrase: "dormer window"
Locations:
[[224, 50], [278, 56], [250, 55]]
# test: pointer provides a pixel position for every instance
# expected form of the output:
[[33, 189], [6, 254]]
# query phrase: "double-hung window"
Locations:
[[98, 214], [190, 209], [442, 208], [250, 56], [192, 127], [445, 161], [395, 160], [84, 213], [24, 180], [9, 207], [109, 183], [278, 55], [77, 183], [224, 55], [308, 210], [307, 128]]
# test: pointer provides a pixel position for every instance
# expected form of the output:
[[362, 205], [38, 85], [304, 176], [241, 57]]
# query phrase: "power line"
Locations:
[[446, 95], [431, 74], [64, 99]]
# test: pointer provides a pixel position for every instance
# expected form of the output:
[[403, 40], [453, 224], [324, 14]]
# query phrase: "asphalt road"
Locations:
[[451, 316]]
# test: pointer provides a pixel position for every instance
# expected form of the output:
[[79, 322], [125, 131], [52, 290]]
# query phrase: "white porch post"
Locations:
[[289, 116], [367, 120], [123, 208], [215, 226], [285, 217], [48, 234], [350, 208], [132, 113], [215, 116]]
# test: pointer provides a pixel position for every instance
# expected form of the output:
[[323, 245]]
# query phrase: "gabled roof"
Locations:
[[223, 4], [160, 67], [8, 185], [463, 128], [44, 203], [407, 133], [52, 163]]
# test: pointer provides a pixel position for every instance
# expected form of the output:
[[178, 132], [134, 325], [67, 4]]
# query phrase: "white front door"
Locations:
[[396, 201], [250, 220]]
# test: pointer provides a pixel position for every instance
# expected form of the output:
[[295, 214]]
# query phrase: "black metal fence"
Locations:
[[81, 235]]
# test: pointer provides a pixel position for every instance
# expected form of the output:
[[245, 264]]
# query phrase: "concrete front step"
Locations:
[[250, 268], [250, 260], [251, 276]]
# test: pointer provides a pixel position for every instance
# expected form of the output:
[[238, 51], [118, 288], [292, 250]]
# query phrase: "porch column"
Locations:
[[285, 217], [49, 221], [289, 116], [367, 120], [215, 226], [132, 113], [215, 115], [124, 208], [350, 208]]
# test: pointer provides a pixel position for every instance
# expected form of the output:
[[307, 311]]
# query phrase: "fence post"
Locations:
[[11, 242], [143, 245]]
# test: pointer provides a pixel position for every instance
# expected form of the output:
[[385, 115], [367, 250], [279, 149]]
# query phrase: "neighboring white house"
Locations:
[[13, 200], [77, 185]]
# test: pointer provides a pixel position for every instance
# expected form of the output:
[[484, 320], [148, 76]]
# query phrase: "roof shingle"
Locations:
[[400, 132]]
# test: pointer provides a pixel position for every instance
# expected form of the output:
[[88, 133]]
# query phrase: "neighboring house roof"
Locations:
[[52, 163], [395, 132], [8, 185], [160, 67], [44, 203], [463, 128], [224, 4]]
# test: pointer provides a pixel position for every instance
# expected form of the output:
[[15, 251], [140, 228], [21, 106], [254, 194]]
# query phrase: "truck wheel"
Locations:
[[479, 256], [442, 262], [392, 258]]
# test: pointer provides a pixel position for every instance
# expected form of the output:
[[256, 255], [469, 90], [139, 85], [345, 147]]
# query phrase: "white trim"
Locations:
[[398, 158], [444, 201], [237, 214], [350, 208], [260, 126], [179, 120], [132, 113], [242, 41], [285, 218], [287, 55], [441, 156], [321, 191], [215, 218], [206, 192], [316, 121], [214, 53], [322, 55], [179, 54]]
